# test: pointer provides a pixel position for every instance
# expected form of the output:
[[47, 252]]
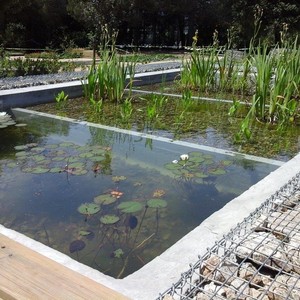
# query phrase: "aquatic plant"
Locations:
[[61, 99]]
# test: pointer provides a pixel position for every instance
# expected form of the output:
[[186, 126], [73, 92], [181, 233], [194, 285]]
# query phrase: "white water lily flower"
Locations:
[[3, 113], [184, 157], [175, 161]]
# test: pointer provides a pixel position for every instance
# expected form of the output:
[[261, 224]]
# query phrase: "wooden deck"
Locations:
[[26, 274]]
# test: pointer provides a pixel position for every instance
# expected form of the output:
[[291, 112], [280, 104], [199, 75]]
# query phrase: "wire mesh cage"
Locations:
[[258, 259]]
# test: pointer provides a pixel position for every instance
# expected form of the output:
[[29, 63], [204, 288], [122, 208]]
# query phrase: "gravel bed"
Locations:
[[26, 81]]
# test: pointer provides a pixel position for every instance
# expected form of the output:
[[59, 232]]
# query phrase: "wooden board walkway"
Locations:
[[26, 274]]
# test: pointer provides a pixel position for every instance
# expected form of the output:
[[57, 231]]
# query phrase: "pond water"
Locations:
[[109, 199], [201, 122]]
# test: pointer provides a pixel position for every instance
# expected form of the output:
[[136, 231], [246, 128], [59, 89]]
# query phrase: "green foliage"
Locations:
[[61, 99], [108, 80], [23, 67]]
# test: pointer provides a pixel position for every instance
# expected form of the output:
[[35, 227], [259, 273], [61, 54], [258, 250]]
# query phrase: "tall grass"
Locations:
[[108, 80]]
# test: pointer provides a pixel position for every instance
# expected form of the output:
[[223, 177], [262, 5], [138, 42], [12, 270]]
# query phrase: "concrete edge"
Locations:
[[28, 96]]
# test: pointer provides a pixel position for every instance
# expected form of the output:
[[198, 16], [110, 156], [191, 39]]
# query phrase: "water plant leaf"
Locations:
[[227, 162], [197, 159], [118, 253], [201, 175], [51, 146], [86, 155], [55, 170], [66, 144], [38, 158], [208, 162], [22, 153], [157, 203], [172, 166], [21, 147], [88, 208], [109, 219], [58, 158], [130, 206], [118, 178], [85, 232], [39, 170], [20, 125], [76, 245], [217, 172], [105, 199], [37, 149], [12, 165]]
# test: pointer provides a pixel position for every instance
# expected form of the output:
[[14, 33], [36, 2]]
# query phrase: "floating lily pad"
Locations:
[[22, 153], [172, 166], [51, 146], [195, 154], [85, 232], [12, 165], [86, 155], [79, 171], [37, 149], [38, 158], [227, 162], [76, 165], [73, 159], [208, 162], [118, 253], [66, 144], [217, 172], [197, 159], [157, 203], [105, 199], [39, 170], [55, 170], [58, 158], [76, 245], [21, 147], [109, 219], [118, 178], [88, 208], [200, 175], [130, 206], [20, 125]]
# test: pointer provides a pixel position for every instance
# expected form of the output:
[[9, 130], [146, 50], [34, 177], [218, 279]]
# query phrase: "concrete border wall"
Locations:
[[33, 95]]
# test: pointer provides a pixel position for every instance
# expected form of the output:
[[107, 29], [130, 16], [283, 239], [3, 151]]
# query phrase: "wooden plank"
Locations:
[[26, 274]]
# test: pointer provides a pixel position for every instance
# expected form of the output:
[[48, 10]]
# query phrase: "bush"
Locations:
[[23, 67]]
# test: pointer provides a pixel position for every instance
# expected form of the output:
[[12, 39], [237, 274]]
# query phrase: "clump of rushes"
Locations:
[[61, 99], [112, 76]]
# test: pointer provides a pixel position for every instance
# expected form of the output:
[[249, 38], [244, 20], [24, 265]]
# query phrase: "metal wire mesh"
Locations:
[[258, 259]]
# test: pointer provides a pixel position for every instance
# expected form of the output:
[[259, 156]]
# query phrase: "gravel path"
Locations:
[[25, 81]]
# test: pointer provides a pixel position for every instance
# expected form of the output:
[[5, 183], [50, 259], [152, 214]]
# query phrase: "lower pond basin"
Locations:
[[109, 198]]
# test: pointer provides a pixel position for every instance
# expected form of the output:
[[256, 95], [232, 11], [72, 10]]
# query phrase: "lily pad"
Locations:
[[86, 155], [88, 208], [227, 162], [105, 199], [21, 147], [130, 206], [38, 158], [55, 170], [66, 144], [109, 219], [12, 165], [201, 175], [51, 146], [39, 170], [118, 178], [118, 253], [58, 158], [157, 203], [20, 125], [217, 172], [22, 153], [172, 166], [79, 171], [37, 149], [85, 232], [76, 245]]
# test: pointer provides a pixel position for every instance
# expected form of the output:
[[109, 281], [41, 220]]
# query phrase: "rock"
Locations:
[[264, 248], [217, 270], [168, 297]]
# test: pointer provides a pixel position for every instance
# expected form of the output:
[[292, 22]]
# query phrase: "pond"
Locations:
[[199, 121], [112, 199]]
